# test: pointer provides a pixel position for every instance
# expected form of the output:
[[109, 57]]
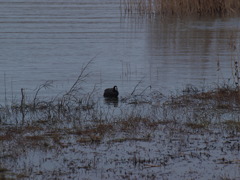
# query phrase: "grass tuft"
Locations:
[[231, 124], [197, 125]]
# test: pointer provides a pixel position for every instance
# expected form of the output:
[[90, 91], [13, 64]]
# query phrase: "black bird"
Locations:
[[111, 92]]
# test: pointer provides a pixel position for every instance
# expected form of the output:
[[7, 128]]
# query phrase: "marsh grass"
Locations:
[[3, 170], [221, 97], [194, 125], [64, 106], [5, 137], [232, 124], [183, 7], [70, 132], [74, 121], [80, 114], [120, 140]]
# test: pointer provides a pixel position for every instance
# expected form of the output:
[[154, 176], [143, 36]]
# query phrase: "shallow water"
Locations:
[[42, 40], [52, 40]]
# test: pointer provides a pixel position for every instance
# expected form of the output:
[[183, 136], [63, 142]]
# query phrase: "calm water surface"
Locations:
[[44, 40], [52, 40]]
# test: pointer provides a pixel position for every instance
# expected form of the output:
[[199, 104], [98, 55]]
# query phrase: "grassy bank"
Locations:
[[184, 7]]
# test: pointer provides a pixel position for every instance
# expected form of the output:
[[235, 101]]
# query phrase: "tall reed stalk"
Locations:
[[235, 61], [184, 7]]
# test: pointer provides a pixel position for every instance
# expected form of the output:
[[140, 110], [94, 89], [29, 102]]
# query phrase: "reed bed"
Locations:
[[183, 7]]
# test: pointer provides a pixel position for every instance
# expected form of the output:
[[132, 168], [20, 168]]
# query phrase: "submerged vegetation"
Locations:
[[183, 7], [192, 135], [150, 136]]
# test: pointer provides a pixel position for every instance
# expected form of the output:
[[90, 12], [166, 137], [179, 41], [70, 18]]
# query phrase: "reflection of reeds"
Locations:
[[235, 61], [184, 7]]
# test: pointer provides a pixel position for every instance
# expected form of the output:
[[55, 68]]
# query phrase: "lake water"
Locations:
[[52, 40]]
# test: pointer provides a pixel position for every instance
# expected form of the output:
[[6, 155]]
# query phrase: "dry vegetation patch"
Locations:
[[183, 128], [231, 124], [196, 125], [183, 7]]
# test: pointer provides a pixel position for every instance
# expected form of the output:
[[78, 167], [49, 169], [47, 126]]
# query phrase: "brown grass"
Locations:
[[197, 125], [6, 137], [35, 138], [90, 139], [231, 124], [120, 140], [184, 7], [224, 97]]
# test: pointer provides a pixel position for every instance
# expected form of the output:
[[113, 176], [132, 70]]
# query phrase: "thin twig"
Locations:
[[81, 76], [137, 86], [45, 85], [145, 89]]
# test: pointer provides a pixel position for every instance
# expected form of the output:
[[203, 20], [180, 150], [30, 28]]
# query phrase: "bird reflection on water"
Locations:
[[111, 101]]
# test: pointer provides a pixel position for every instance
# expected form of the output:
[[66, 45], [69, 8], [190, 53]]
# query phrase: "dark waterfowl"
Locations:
[[111, 92]]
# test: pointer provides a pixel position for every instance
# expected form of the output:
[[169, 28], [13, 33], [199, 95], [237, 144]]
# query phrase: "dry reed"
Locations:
[[184, 7]]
